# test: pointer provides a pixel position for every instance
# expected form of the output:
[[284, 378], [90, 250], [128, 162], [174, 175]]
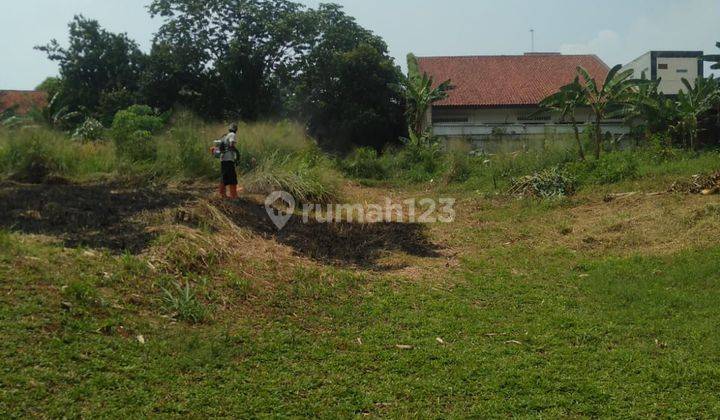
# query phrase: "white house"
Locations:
[[497, 96], [670, 67]]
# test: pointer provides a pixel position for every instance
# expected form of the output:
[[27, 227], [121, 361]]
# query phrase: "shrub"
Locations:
[[610, 168], [420, 159], [364, 162], [90, 130], [660, 146], [132, 131], [458, 167]]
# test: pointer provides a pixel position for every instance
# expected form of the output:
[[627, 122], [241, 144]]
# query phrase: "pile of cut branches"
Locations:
[[549, 183], [698, 184]]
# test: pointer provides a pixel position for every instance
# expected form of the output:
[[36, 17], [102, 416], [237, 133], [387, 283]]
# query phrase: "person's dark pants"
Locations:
[[228, 179]]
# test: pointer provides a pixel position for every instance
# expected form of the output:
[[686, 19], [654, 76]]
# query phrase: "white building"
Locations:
[[670, 67], [497, 96]]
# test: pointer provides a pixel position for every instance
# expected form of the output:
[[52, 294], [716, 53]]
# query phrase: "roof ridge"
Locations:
[[21, 90], [508, 55]]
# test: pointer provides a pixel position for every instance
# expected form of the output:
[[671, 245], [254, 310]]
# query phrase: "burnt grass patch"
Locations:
[[337, 243], [92, 215]]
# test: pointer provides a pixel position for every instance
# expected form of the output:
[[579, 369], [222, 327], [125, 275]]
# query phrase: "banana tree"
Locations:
[[420, 93], [565, 102], [649, 108], [715, 59], [693, 103], [608, 99]]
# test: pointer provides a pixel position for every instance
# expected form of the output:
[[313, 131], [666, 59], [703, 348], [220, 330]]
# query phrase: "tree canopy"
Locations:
[[245, 59]]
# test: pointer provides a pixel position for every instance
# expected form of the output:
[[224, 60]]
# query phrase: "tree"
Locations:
[[420, 93], [346, 88], [648, 109], [608, 99], [242, 52], [693, 103], [99, 70], [715, 59], [565, 102]]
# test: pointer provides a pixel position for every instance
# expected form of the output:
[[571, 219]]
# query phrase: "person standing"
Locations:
[[228, 157]]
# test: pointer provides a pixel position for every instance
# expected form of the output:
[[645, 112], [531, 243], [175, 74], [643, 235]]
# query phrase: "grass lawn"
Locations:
[[577, 307]]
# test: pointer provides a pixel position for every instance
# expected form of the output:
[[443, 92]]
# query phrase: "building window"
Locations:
[[534, 118], [662, 66], [441, 120], [681, 70]]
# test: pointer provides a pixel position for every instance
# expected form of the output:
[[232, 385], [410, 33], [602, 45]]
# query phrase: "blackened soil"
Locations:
[[106, 216], [343, 243], [96, 216]]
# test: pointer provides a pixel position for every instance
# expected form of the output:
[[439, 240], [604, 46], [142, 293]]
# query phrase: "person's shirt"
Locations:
[[230, 141]]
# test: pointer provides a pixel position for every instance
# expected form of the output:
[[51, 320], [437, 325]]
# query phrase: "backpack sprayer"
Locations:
[[221, 146]]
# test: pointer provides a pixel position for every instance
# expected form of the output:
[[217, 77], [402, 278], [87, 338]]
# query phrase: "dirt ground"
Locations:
[[114, 218]]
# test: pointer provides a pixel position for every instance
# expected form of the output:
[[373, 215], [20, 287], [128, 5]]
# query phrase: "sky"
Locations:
[[617, 31]]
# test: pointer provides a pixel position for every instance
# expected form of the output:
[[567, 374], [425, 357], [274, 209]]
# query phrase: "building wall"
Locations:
[[676, 69], [669, 66], [640, 65], [507, 129], [519, 115]]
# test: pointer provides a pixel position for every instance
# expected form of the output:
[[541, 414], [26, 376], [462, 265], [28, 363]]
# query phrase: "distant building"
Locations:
[[670, 67], [20, 102], [497, 96]]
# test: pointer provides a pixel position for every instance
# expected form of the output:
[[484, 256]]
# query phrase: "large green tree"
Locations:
[[242, 52], [346, 87], [99, 70]]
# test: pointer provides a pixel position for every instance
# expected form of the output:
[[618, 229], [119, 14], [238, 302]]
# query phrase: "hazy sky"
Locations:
[[616, 30]]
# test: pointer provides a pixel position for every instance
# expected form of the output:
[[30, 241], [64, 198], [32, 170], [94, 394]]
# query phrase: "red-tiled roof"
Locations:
[[504, 80], [23, 100]]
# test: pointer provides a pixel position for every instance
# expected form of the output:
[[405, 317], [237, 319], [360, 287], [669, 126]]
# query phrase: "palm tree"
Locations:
[[693, 103], [420, 93], [608, 99], [565, 102]]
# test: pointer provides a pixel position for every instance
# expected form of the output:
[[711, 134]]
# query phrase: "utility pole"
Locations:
[[532, 40]]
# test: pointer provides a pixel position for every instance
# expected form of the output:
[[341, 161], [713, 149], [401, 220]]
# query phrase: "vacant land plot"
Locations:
[[587, 306]]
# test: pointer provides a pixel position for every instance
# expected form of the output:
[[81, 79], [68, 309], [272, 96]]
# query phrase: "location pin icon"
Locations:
[[279, 217]]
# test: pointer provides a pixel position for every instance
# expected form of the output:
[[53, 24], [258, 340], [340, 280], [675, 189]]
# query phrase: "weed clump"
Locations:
[[307, 177], [184, 304]]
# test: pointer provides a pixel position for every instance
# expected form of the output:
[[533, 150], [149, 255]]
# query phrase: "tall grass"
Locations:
[[34, 154]]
